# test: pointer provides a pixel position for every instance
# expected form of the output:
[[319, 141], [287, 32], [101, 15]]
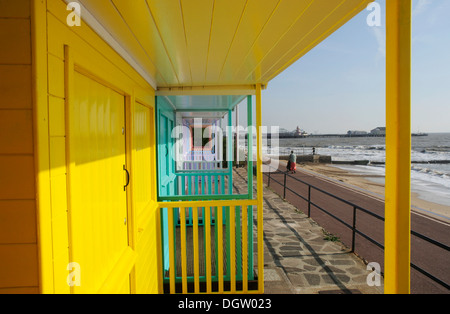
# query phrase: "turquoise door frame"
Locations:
[[166, 165]]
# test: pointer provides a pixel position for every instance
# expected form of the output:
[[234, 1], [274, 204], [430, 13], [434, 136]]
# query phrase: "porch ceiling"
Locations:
[[216, 43], [204, 103]]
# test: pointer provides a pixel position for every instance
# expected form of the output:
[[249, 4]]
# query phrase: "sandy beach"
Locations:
[[371, 185]]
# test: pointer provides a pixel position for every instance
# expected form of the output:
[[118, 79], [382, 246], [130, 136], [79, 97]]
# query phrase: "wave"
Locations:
[[437, 170], [434, 150], [370, 152], [424, 163], [430, 173]]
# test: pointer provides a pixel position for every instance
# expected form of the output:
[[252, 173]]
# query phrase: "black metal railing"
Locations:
[[352, 226]]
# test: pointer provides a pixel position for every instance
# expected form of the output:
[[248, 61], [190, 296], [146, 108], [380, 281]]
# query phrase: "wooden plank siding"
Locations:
[[39, 56], [18, 233]]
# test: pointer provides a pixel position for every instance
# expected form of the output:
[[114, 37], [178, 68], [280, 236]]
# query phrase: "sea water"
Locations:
[[430, 180]]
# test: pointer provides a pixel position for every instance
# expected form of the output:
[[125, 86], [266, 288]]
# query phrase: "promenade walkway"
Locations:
[[425, 255], [300, 257]]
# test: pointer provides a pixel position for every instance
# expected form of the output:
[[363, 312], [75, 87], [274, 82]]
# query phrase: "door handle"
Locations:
[[128, 178]]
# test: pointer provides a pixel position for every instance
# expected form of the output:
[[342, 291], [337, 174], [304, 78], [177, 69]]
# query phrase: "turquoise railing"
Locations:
[[230, 241], [202, 185], [196, 180]]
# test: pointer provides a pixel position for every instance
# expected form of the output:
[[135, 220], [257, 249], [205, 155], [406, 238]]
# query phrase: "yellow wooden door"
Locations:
[[98, 203]]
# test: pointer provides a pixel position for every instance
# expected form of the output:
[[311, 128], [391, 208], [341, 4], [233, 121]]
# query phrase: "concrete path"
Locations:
[[299, 257]]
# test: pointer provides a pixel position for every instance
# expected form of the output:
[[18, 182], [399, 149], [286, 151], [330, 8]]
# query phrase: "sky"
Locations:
[[340, 84]]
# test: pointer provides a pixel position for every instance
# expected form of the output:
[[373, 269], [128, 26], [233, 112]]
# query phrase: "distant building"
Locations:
[[300, 133], [378, 131], [283, 131]]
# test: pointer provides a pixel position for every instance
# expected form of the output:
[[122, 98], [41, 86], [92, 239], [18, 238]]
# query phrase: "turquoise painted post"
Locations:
[[216, 185], [189, 185], [167, 186], [182, 191], [227, 208], [238, 243], [216, 244], [237, 231], [203, 179], [210, 177], [165, 238], [230, 152], [176, 211], [196, 185]]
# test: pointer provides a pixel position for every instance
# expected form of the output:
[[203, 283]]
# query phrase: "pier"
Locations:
[[293, 136]]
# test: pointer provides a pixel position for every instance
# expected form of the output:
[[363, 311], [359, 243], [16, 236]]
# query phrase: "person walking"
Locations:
[[292, 162]]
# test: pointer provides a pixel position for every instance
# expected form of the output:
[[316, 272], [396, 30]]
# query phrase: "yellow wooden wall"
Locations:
[[36, 82], [18, 234], [144, 196]]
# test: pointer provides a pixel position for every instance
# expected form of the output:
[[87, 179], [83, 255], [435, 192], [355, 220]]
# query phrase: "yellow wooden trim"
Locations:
[[245, 249], [398, 148], [160, 273], [207, 224], [219, 215], [68, 75], [172, 266], [183, 250], [41, 144], [154, 193], [91, 74], [150, 212], [232, 244], [196, 251], [154, 167], [130, 103], [260, 191]]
